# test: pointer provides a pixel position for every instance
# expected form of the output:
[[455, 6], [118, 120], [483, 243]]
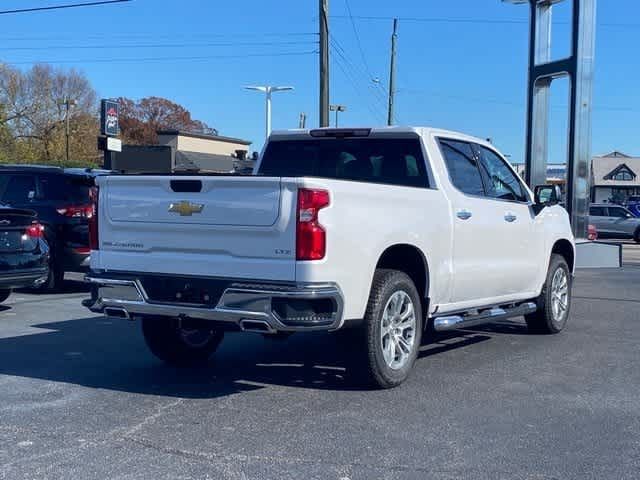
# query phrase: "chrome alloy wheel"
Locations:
[[398, 330], [559, 295]]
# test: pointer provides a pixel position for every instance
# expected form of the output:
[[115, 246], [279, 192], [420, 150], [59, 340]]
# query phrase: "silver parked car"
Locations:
[[614, 221]]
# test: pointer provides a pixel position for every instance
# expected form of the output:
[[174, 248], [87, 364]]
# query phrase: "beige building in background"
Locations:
[[198, 143], [179, 151]]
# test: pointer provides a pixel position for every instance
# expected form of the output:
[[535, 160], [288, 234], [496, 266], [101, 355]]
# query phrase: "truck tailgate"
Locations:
[[239, 227]]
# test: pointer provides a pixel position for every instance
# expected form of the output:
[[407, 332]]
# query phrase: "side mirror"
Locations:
[[546, 196]]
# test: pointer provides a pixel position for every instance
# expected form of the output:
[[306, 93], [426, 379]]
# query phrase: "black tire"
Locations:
[[372, 366], [549, 319], [636, 235], [166, 339], [4, 294], [55, 280]]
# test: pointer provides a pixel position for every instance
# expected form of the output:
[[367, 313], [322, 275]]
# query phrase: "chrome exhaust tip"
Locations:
[[116, 312], [256, 326]]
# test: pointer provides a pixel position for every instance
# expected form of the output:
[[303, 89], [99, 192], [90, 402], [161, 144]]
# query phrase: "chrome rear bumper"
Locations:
[[248, 307]]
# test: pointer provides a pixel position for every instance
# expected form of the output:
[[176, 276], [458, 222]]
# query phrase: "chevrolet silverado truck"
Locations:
[[392, 232]]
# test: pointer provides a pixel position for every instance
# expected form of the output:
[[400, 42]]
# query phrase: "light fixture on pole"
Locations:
[[67, 103], [337, 109], [268, 90]]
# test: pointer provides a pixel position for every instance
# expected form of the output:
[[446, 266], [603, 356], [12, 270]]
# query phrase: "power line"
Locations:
[[479, 21], [158, 45], [60, 7], [358, 73], [355, 32], [433, 19], [155, 36], [507, 103], [337, 60], [348, 69], [162, 59], [379, 89]]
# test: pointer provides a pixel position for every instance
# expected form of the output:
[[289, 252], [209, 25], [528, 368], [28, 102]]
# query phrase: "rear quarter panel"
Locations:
[[362, 221]]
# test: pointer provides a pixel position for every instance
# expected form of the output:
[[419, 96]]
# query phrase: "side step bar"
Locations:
[[454, 322]]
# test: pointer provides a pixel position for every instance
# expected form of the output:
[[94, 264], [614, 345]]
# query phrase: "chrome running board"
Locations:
[[467, 320]]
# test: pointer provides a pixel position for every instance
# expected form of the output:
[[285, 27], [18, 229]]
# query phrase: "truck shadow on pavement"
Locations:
[[110, 354]]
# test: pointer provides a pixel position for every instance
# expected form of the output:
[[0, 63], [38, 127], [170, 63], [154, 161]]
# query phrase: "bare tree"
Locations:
[[33, 115]]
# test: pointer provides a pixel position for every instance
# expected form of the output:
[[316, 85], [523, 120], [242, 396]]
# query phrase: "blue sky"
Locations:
[[463, 76]]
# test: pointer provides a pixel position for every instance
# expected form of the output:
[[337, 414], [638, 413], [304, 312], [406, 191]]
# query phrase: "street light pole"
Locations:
[[337, 109], [68, 103], [268, 90], [268, 113]]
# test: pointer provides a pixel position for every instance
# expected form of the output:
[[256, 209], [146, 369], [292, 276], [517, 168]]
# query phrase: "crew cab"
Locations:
[[393, 232]]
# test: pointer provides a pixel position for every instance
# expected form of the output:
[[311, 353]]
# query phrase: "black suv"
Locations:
[[60, 197]]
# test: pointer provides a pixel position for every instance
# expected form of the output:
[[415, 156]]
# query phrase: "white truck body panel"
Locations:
[[364, 220], [247, 230]]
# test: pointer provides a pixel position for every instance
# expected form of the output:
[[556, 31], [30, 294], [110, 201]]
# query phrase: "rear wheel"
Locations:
[[4, 294], [392, 329], [554, 302], [636, 235], [178, 343], [55, 280]]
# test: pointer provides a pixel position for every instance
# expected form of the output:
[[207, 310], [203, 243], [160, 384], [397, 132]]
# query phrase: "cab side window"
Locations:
[[598, 212], [618, 212], [463, 166], [500, 181]]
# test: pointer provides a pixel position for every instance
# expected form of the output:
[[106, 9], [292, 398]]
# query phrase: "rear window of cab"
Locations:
[[376, 160]]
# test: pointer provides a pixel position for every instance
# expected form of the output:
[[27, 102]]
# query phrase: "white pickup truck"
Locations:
[[392, 231]]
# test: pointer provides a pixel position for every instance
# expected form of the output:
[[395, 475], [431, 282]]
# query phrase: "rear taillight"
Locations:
[[311, 241], [35, 230], [93, 219], [82, 211]]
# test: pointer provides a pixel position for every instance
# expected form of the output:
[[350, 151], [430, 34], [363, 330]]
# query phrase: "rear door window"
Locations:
[[64, 188], [598, 211], [19, 190], [397, 161], [462, 165]]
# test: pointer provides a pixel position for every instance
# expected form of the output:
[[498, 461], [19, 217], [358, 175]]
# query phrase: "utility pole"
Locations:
[[324, 63], [268, 90], [303, 120], [337, 109], [392, 72], [67, 103]]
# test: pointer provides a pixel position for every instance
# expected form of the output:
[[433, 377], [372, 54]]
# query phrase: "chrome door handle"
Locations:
[[463, 214], [510, 217]]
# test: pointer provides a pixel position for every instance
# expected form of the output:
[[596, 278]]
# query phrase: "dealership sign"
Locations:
[[109, 125]]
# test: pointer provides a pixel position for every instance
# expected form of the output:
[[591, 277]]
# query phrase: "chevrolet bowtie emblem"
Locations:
[[186, 209]]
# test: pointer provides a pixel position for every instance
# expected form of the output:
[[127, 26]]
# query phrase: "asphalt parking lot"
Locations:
[[80, 397]]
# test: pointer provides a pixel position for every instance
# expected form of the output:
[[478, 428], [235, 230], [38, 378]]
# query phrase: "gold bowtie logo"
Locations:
[[186, 209]]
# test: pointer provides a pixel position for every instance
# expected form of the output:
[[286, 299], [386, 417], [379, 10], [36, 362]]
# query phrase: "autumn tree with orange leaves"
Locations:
[[140, 120]]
